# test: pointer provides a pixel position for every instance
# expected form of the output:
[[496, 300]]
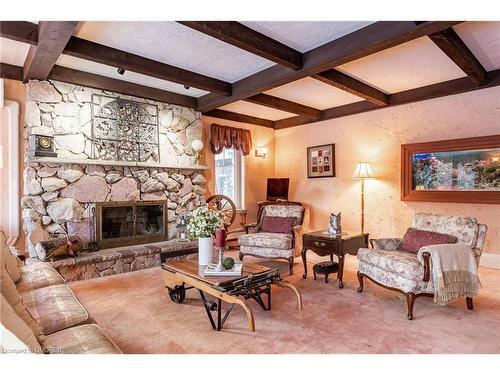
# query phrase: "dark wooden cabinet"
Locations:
[[322, 244]]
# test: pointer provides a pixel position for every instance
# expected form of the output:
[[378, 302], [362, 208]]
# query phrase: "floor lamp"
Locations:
[[363, 172]]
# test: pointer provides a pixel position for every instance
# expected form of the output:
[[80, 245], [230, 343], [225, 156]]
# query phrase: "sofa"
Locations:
[[387, 265], [40, 313]]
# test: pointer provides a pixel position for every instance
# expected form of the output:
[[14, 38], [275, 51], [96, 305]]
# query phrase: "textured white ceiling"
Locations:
[[414, 64], [311, 92], [12, 52], [256, 110], [483, 39], [305, 35], [407, 66], [172, 43], [109, 71]]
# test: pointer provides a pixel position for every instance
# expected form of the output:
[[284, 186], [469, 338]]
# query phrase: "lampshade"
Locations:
[[197, 145], [363, 170]]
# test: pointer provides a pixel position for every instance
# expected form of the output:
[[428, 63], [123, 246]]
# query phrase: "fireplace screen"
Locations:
[[126, 223], [124, 130]]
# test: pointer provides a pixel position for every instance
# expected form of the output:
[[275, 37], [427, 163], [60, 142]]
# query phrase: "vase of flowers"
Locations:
[[202, 225]]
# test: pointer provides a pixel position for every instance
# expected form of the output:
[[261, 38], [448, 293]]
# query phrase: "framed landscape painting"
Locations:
[[463, 170], [321, 161]]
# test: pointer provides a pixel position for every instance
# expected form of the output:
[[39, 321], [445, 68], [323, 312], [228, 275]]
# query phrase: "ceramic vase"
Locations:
[[205, 249]]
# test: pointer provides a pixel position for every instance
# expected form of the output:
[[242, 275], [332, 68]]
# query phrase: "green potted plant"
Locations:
[[202, 225]]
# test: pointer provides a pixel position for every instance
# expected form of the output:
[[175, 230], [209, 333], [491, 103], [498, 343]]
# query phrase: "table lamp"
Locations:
[[363, 171]]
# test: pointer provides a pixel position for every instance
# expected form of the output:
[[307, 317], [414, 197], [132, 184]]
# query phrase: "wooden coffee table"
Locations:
[[255, 281]]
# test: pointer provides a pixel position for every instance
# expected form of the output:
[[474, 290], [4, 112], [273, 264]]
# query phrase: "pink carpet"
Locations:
[[134, 309]]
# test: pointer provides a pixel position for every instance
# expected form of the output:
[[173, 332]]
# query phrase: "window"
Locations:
[[229, 175]]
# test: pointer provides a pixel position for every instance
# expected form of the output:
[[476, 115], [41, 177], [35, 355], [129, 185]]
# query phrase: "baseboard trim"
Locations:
[[490, 260]]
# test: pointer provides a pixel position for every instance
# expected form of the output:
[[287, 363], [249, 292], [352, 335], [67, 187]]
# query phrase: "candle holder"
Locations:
[[220, 267]]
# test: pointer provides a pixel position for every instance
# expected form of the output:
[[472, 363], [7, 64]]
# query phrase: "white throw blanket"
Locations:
[[453, 271]]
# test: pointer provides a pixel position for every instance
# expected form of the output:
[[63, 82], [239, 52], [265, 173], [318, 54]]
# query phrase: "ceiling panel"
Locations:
[[313, 93], [407, 66], [172, 43], [12, 52], [483, 39], [305, 35], [257, 110], [109, 71]]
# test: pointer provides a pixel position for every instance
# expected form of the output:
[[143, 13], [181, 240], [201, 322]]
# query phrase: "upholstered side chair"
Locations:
[[393, 268], [288, 246]]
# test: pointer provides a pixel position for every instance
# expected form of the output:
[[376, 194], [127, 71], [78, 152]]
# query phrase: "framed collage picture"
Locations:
[[321, 161]]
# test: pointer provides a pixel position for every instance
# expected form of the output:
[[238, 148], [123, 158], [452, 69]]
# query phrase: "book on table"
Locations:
[[211, 270]]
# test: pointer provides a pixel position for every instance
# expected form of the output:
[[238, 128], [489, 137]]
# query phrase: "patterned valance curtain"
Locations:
[[227, 137]]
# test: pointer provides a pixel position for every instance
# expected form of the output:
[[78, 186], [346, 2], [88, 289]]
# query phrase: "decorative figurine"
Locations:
[[335, 229]]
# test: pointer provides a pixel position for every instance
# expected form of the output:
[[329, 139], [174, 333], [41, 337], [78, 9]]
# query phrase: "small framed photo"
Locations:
[[321, 161]]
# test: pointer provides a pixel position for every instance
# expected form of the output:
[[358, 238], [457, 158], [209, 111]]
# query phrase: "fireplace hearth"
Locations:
[[129, 223]]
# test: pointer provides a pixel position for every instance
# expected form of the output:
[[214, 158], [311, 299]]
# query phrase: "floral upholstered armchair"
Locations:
[[391, 267], [277, 234]]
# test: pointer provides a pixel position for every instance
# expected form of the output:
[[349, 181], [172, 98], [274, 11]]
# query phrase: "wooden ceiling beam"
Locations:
[[453, 46], [11, 72], [52, 38], [438, 90], [363, 42], [20, 31], [284, 105], [239, 117], [79, 77], [344, 82], [102, 54], [247, 39]]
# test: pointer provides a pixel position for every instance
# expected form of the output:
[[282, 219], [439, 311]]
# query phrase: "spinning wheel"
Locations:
[[225, 205]]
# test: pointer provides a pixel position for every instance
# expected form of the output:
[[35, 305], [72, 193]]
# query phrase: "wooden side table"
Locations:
[[324, 244]]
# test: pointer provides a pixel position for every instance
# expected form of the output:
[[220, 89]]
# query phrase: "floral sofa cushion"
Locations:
[[465, 229], [386, 243], [397, 262], [37, 275], [54, 308], [281, 241], [84, 339], [393, 280], [266, 252]]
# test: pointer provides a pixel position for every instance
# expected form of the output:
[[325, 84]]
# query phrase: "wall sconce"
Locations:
[[197, 146], [261, 152]]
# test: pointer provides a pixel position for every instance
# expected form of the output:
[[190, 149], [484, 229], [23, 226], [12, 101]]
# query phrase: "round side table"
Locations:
[[325, 268]]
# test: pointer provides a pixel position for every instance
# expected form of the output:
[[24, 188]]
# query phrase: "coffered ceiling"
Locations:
[[275, 74]]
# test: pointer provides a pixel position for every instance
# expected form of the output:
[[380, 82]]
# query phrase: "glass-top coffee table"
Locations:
[[180, 275]]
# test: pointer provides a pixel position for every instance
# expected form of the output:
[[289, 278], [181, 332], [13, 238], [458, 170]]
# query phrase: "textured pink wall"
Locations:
[[376, 137]]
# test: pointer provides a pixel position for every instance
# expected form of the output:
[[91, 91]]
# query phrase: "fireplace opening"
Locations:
[[128, 223]]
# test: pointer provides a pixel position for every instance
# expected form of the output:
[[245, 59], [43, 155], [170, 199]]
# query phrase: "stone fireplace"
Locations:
[[63, 194], [130, 223]]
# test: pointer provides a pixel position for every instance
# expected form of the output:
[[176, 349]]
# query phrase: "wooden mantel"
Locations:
[[114, 163]]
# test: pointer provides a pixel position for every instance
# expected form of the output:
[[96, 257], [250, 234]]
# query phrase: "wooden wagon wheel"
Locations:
[[225, 205]]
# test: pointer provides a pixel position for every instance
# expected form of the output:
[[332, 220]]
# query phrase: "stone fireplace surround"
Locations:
[[60, 193]]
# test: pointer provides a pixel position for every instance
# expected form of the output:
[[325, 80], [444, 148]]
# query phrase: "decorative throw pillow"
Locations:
[[414, 239], [277, 224]]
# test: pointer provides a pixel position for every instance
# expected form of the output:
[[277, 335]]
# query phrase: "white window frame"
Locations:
[[238, 179]]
